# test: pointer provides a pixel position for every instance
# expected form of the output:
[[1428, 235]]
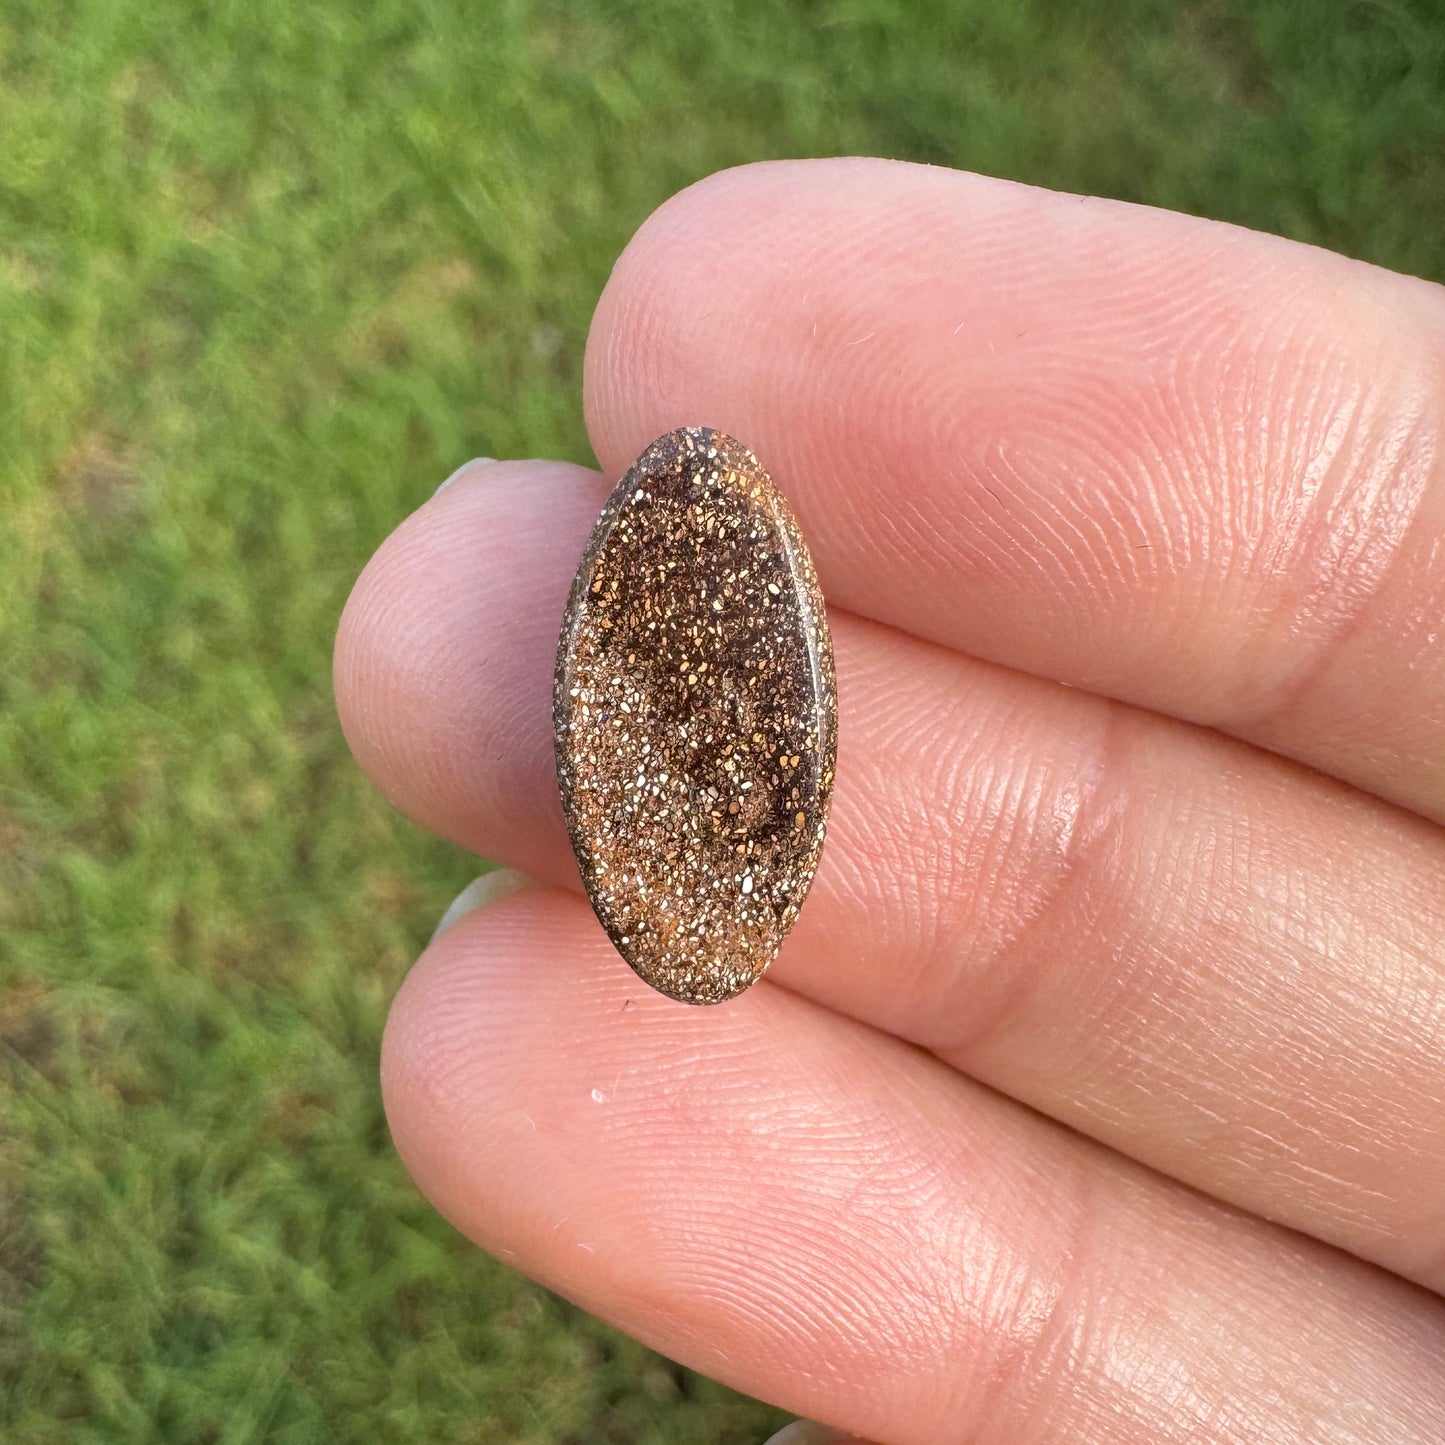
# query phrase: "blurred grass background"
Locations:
[[268, 272]]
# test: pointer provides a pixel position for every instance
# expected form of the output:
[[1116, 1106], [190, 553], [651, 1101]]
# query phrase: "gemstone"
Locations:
[[696, 717]]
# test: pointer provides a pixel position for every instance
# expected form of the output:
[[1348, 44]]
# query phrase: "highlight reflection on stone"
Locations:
[[696, 717]]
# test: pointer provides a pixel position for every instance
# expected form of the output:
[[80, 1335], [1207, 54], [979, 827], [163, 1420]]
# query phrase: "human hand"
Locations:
[[1099, 1093]]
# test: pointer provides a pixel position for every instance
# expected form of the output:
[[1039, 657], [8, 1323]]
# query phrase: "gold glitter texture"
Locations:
[[696, 717]]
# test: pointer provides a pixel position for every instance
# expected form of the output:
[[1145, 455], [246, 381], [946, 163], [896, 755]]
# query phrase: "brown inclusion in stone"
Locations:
[[696, 717]]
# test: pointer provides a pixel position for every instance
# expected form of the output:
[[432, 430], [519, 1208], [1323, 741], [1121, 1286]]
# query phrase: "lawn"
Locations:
[[268, 272]]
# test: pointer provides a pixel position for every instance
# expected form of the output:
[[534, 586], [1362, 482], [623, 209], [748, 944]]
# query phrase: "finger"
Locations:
[[1163, 459], [824, 1217], [809, 1432], [1215, 961]]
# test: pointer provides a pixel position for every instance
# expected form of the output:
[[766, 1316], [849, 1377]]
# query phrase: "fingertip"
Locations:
[[446, 1062], [467, 469], [775, 226], [427, 672], [634, 343], [810, 1432], [489, 888]]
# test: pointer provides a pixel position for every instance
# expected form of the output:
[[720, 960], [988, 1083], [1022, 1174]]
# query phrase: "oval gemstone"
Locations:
[[696, 717]]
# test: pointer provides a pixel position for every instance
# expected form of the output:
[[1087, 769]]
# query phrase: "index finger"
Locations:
[[1168, 460]]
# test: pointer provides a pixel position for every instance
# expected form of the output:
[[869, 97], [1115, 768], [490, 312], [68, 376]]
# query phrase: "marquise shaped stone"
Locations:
[[696, 717]]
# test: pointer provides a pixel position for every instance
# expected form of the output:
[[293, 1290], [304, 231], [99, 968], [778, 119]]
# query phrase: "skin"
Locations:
[[1099, 1093]]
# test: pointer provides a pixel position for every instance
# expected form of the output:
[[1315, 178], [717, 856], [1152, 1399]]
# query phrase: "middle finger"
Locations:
[[1213, 960]]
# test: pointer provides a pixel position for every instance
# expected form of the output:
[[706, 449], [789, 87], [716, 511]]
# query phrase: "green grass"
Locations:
[[268, 271]]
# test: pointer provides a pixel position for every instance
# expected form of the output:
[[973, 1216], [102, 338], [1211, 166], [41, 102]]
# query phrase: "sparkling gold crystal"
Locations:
[[696, 717]]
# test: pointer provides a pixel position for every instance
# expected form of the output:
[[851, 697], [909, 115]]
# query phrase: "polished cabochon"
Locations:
[[695, 714]]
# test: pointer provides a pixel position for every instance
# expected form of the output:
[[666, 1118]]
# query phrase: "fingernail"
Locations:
[[489, 888], [809, 1432], [465, 467]]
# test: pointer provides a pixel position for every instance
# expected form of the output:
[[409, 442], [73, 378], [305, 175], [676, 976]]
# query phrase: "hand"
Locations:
[[1099, 1094]]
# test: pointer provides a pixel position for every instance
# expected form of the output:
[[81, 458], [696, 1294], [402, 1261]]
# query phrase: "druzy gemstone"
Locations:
[[696, 717]]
